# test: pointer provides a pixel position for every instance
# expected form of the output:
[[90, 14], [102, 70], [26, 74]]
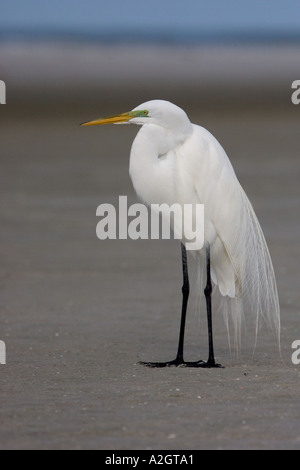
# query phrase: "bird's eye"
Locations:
[[140, 113]]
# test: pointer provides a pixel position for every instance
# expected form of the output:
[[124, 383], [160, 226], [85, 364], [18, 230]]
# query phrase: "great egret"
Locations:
[[175, 161]]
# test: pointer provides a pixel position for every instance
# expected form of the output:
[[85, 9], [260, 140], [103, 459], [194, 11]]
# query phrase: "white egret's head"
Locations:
[[158, 112]]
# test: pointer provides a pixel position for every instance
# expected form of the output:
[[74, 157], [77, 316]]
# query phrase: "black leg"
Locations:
[[179, 361], [185, 297], [208, 294]]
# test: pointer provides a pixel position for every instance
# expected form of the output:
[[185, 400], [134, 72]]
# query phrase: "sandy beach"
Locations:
[[77, 314]]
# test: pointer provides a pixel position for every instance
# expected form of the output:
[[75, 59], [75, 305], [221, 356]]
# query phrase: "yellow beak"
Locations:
[[125, 117]]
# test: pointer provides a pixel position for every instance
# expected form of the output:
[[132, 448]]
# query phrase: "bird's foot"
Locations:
[[181, 363], [204, 365], [159, 365]]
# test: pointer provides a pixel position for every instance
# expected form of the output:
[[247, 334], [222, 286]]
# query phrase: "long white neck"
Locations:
[[153, 163]]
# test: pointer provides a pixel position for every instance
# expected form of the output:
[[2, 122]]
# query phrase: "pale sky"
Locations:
[[147, 15]]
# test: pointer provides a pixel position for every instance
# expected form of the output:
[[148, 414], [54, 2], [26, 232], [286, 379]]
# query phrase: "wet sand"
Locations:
[[77, 314]]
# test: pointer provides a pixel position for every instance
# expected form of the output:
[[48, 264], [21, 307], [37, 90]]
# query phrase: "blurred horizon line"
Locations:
[[159, 36]]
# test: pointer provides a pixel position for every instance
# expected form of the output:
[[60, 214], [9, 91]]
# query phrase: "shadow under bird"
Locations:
[[173, 161]]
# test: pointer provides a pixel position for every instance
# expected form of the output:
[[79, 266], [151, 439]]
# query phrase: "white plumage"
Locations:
[[174, 161]]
